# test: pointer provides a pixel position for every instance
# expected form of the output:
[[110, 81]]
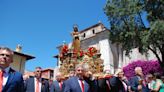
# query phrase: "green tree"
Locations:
[[128, 25]]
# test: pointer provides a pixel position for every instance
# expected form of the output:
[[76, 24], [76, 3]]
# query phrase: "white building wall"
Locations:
[[136, 55], [106, 54], [151, 55], [120, 57]]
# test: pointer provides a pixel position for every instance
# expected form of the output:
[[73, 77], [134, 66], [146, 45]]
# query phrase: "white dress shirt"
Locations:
[[35, 83], [5, 75]]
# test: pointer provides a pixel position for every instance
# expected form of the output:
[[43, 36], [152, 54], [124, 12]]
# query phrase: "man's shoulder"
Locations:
[[15, 75], [72, 79], [134, 78], [55, 81], [43, 79], [15, 72], [30, 79]]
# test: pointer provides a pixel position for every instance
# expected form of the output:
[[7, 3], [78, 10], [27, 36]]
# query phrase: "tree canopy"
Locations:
[[137, 24]]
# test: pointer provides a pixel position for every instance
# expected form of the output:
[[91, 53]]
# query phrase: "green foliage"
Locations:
[[155, 9], [126, 22], [128, 27]]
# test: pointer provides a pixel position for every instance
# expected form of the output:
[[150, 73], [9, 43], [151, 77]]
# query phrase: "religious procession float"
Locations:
[[70, 57]]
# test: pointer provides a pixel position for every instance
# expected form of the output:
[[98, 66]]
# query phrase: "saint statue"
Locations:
[[76, 39]]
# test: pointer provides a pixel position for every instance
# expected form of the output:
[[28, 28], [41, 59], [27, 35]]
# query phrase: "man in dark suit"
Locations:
[[91, 81], [77, 83], [36, 83], [138, 83], [57, 85], [102, 86], [10, 80], [117, 83]]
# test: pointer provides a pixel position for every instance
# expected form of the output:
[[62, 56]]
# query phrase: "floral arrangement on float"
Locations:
[[64, 49], [70, 57], [64, 52], [91, 51], [78, 54], [151, 66]]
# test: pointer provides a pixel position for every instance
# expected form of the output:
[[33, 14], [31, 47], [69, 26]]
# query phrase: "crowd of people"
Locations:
[[80, 80]]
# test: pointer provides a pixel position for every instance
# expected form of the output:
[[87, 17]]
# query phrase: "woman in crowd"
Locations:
[[162, 86], [150, 81], [157, 87]]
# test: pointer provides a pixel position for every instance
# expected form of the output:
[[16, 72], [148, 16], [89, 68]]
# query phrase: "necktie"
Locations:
[[1, 80], [108, 88], [60, 85], [144, 83], [37, 85], [82, 85]]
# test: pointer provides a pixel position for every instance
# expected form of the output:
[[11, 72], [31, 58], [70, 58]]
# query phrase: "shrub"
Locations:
[[147, 67]]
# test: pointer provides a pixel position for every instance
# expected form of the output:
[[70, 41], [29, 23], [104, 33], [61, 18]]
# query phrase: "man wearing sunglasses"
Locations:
[[36, 83]]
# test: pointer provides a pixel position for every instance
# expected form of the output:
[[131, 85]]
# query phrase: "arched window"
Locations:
[[93, 31]]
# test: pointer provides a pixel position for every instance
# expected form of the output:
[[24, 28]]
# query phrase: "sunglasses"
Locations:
[[38, 71]]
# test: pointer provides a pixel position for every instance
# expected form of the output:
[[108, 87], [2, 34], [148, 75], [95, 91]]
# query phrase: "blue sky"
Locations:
[[42, 25]]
